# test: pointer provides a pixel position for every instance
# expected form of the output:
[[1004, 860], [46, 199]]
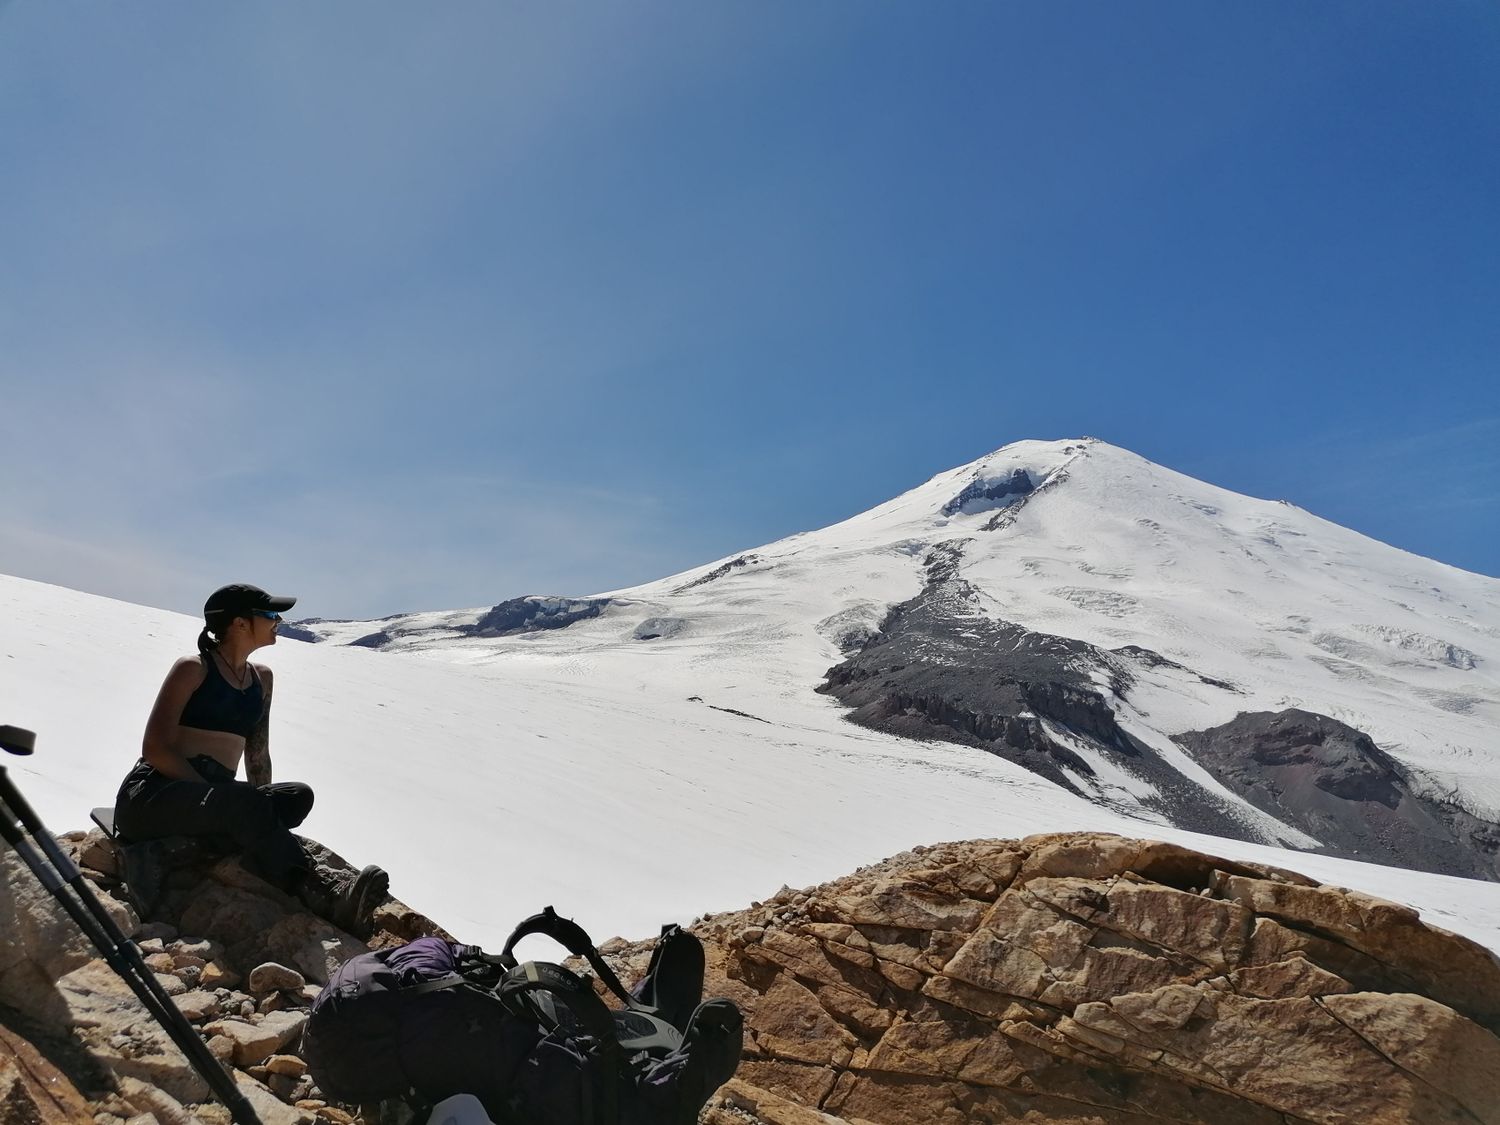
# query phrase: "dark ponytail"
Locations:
[[212, 634]]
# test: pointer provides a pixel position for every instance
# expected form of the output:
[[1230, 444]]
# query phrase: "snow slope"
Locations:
[[631, 782]]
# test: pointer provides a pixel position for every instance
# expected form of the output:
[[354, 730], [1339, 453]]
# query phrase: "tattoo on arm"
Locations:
[[258, 747]]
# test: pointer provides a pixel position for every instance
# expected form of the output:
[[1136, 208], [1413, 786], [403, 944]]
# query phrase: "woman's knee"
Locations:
[[293, 801], [241, 811]]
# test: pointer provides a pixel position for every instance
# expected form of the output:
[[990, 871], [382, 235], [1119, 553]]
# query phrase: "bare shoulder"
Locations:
[[265, 674], [187, 669]]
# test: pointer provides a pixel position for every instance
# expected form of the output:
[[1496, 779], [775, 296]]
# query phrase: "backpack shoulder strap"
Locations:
[[436, 984], [571, 936]]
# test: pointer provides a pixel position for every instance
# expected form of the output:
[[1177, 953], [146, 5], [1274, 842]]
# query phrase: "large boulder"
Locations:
[[1088, 978]]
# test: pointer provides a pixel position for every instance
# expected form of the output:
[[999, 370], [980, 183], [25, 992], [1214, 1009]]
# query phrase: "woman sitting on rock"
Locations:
[[212, 712]]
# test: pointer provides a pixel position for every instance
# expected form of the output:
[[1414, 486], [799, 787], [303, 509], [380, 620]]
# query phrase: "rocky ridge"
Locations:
[[1092, 979], [1075, 978]]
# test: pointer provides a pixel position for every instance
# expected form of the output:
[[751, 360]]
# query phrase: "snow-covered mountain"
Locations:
[[1053, 622], [1166, 648]]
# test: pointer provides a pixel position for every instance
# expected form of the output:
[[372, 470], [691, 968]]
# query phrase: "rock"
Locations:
[[164, 1109], [120, 913], [204, 949], [217, 975], [254, 1043], [271, 977], [994, 981], [116, 1030], [284, 1086], [160, 962], [233, 914], [286, 1064], [273, 1002], [38, 944], [221, 1047], [33, 1090], [267, 1106], [98, 853], [1070, 978], [309, 944], [197, 1005]]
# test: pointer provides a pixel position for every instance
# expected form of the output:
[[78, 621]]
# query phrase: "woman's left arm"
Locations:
[[258, 741]]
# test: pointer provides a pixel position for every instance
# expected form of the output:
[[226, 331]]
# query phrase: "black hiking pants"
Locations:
[[258, 819]]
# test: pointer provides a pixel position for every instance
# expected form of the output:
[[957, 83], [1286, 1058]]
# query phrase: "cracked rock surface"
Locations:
[[1072, 978], [1089, 978]]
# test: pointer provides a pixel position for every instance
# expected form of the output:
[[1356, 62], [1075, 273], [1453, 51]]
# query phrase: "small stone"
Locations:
[[213, 1113], [284, 1086], [189, 975], [274, 1002], [143, 1119], [217, 975], [308, 994], [188, 960], [331, 1115], [286, 1064], [160, 963], [222, 1048], [197, 1005], [151, 946], [155, 931], [271, 977], [247, 1008], [256, 1042], [259, 1073], [205, 949], [170, 984]]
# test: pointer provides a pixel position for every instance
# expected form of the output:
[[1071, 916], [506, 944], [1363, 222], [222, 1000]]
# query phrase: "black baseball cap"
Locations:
[[241, 597]]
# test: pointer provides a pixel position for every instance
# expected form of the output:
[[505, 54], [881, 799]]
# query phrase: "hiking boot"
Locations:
[[349, 902], [370, 889], [144, 867]]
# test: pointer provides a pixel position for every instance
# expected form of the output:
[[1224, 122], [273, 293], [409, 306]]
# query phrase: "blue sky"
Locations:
[[401, 307]]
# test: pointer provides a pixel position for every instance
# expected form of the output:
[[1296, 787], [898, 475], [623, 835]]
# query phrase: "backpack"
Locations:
[[532, 1041]]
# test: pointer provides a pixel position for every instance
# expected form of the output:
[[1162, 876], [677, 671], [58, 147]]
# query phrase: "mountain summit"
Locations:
[[1159, 646]]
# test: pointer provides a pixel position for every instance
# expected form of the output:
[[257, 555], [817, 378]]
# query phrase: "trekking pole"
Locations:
[[58, 874]]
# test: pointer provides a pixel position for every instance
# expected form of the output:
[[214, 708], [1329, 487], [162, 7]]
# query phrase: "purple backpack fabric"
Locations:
[[372, 1035], [532, 1041]]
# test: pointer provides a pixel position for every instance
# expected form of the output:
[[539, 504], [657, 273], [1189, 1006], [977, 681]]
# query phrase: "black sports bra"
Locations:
[[219, 705]]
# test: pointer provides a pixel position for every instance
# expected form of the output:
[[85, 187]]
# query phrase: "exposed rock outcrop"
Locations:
[[1334, 783], [1087, 978], [239, 959], [1078, 978], [941, 665], [533, 613]]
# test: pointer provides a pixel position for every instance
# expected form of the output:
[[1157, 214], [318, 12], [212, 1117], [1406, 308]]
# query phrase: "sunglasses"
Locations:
[[266, 613]]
